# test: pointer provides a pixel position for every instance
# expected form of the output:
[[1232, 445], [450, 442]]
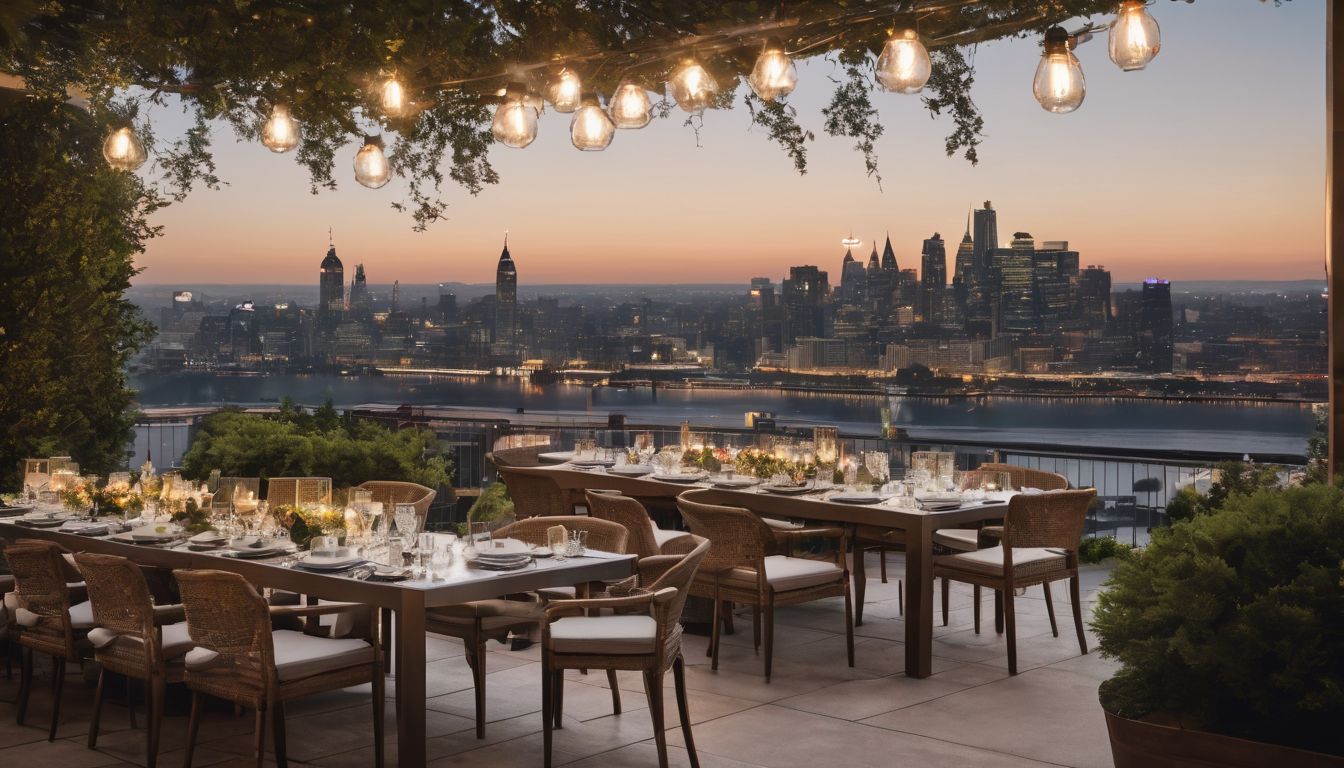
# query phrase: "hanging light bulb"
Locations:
[[904, 65], [280, 132], [394, 98], [693, 87], [123, 151], [564, 91], [515, 123], [371, 167], [1059, 84], [630, 106], [1135, 38], [590, 129], [774, 74]]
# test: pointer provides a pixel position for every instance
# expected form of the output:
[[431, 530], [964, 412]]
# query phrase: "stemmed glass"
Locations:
[[408, 524]]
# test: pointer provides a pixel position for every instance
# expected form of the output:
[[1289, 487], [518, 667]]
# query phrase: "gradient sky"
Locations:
[[1209, 164]]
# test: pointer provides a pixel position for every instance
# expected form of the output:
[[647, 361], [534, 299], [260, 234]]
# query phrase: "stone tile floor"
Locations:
[[815, 711]]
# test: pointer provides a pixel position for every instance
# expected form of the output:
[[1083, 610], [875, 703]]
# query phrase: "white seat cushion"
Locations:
[[662, 536], [960, 539], [783, 525], [604, 634], [81, 616], [990, 560], [176, 640], [786, 573], [298, 655]]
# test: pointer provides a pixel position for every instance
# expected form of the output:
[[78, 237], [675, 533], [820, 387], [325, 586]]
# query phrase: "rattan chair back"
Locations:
[[1055, 520], [232, 489], [679, 577], [529, 456], [628, 512], [738, 538], [40, 585], [1026, 477], [393, 492], [535, 496], [298, 490], [226, 615], [119, 594], [603, 535]]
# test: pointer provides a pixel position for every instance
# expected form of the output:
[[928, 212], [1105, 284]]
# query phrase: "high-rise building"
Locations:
[[1014, 268], [1093, 298], [933, 278], [889, 256], [853, 279], [506, 300], [1055, 270], [1156, 337], [360, 304], [986, 239], [965, 263], [804, 299], [447, 306], [330, 290]]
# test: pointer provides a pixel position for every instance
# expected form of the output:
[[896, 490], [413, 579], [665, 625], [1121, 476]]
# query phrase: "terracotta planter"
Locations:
[[1139, 744]]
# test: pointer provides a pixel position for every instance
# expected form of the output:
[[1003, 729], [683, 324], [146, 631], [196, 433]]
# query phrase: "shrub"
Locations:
[[1098, 548], [1233, 621], [492, 505], [1187, 503]]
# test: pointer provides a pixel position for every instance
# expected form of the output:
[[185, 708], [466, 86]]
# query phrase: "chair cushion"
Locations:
[[784, 573], [783, 525], [494, 614], [661, 536], [81, 616], [176, 641], [298, 655], [990, 560], [604, 634], [200, 658], [960, 539]]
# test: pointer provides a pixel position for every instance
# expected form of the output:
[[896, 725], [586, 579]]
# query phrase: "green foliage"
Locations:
[[1236, 477], [1187, 503], [492, 505], [1233, 621], [69, 231], [321, 444], [325, 59], [1098, 548], [1318, 449]]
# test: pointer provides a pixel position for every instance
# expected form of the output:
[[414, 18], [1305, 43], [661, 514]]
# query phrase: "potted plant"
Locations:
[[1230, 631]]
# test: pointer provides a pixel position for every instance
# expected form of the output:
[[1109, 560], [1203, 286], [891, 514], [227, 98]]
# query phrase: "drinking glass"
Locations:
[[408, 522], [442, 557], [878, 465], [556, 540], [425, 551], [851, 474], [578, 544]]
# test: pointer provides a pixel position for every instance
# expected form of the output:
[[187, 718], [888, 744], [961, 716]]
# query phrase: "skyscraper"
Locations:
[[1093, 298], [1155, 326], [804, 299], [965, 266], [1015, 270], [853, 277], [331, 288], [933, 277], [506, 300], [360, 303], [889, 256], [986, 239]]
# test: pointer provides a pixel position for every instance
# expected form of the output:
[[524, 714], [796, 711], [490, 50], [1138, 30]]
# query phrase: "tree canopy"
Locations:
[[324, 59], [69, 230]]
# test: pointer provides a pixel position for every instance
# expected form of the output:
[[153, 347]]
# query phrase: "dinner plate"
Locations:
[[6, 511], [630, 470], [145, 535], [856, 498], [214, 538], [592, 463], [41, 522], [252, 553], [681, 478], [315, 563], [787, 490], [503, 547], [493, 566], [735, 482]]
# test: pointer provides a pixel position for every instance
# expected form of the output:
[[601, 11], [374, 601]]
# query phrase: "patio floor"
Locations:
[[816, 710]]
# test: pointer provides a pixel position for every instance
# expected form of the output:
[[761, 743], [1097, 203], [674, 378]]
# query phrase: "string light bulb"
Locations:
[[904, 66], [371, 167], [1135, 37], [774, 74], [123, 151], [393, 97], [280, 132], [591, 129], [630, 106], [1059, 85], [515, 123], [693, 87], [564, 91]]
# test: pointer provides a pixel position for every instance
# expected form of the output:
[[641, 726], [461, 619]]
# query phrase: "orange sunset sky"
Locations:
[[1207, 165]]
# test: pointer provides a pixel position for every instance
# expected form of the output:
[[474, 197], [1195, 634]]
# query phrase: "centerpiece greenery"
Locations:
[[1231, 622], [765, 465]]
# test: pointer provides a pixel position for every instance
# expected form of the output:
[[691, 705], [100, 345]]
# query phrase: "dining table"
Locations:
[[407, 600], [902, 522]]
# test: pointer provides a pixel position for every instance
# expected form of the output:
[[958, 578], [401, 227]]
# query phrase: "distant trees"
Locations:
[[69, 231], [320, 444]]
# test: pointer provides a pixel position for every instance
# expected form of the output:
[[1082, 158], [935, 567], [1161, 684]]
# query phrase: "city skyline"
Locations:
[[656, 209]]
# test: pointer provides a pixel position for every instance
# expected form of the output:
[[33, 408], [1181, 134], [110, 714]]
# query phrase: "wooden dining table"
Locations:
[[913, 526], [407, 600]]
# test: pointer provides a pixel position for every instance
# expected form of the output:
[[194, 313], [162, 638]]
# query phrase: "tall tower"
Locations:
[[359, 292], [331, 287], [932, 278], [1155, 327], [889, 256], [986, 239], [965, 266], [506, 299]]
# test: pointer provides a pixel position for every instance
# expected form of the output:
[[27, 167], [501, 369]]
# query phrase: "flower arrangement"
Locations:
[[765, 465], [192, 517], [707, 458], [117, 498], [305, 521]]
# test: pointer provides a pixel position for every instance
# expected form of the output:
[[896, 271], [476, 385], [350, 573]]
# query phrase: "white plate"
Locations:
[[503, 547], [209, 537], [630, 470], [681, 478], [788, 490], [938, 498], [330, 563], [735, 482]]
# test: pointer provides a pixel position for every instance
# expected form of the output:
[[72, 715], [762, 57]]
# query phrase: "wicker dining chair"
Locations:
[[742, 567], [239, 658], [46, 620], [298, 490], [393, 492], [478, 621], [1041, 536], [536, 495], [646, 538], [642, 634], [134, 638]]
